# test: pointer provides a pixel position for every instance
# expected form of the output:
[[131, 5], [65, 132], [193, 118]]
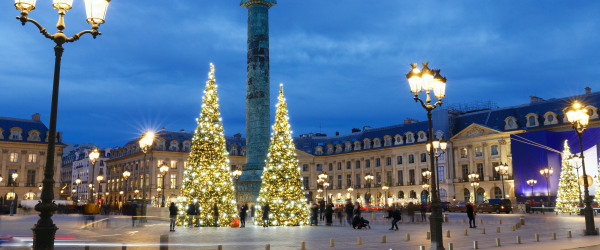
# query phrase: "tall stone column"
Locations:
[[257, 99]]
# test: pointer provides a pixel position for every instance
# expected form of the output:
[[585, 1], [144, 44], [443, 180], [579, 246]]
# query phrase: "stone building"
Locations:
[[81, 166]]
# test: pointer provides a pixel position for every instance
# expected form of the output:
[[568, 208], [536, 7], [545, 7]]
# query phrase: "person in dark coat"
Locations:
[[396, 216], [321, 209], [314, 215], [172, 216], [191, 212], [349, 212], [329, 214], [357, 208], [411, 211], [265, 215], [216, 215], [243, 213], [471, 214], [133, 212], [424, 211]]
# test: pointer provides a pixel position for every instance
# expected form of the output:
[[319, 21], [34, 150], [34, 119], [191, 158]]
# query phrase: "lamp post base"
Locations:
[[435, 226]]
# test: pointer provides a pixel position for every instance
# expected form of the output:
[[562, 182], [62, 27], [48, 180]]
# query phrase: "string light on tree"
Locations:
[[281, 181], [207, 180], [567, 199]]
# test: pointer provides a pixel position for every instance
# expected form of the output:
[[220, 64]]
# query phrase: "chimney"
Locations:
[[238, 135], [366, 127], [35, 117], [182, 131], [355, 130], [337, 133], [534, 99], [410, 120], [310, 134], [162, 129], [588, 90]]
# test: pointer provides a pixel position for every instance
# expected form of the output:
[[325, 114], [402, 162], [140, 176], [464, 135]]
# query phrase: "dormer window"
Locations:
[[161, 145], [410, 137], [388, 141], [397, 140], [338, 148], [243, 151], [532, 120], [367, 143], [15, 134], [186, 147], [34, 135], [376, 143], [356, 145], [510, 123], [233, 150], [173, 146], [550, 118], [348, 146], [319, 150], [422, 136], [329, 149]]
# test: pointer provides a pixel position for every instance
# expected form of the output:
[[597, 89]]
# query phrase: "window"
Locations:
[[497, 193], [411, 177], [367, 163], [511, 123], [339, 166], [348, 165], [400, 178], [358, 179], [173, 164], [423, 180], [15, 134], [400, 194], [32, 158], [186, 147], [185, 164], [330, 166], [422, 136], [410, 138], [319, 151], [173, 146], [357, 164], [319, 167], [305, 168], [173, 181], [494, 150], [388, 161], [399, 160], [463, 153], [388, 141], [159, 178], [14, 157], [329, 149], [377, 143], [442, 194], [423, 157], [10, 179], [494, 173], [531, 121], [377, 162], [465, 173], [367, 143], [478, 152], [550, 118], [30, 178], [349, 180], [339, 181], [348, 147], [232, 168], [413, 194], [411, 158], [440, 175], [377, 177], [305, 182], [101, 163], [480, 170], [388, 177], [357, 145]]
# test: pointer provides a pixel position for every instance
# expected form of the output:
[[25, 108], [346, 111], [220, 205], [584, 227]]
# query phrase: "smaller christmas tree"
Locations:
[[281, 185], [567, 200]]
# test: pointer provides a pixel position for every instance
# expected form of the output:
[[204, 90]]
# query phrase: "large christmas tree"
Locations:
[[567, 200], [281, 182], [207, 179]]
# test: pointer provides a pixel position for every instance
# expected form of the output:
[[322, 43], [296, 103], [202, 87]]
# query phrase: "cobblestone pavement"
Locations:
[[114, 231]]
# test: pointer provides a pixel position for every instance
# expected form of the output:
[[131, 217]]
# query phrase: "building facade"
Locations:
[[23, 147], [81, 167]]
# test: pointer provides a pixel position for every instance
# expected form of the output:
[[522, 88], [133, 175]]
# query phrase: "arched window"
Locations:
[[15, 133], [413, 194], [319, 150], [467, 195], [400, 194], [376, 143], [356, 145], [329, 149], [531, 121], [186, 147], [233, 150], [510, 123], [388, 141], [348, 146], [497, 193], [173, 146], [397, 139]]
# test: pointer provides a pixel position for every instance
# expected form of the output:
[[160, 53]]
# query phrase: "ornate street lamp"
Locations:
[[502, 169], [350, 190], [531, 182], [146, 145], [426, 186], [93, 155], [322, 180], [547, 172], [73, 191], [385, 189], [579, 116], [474, 178], [164, 169], [14, 176], [428, 80], [369, 178]]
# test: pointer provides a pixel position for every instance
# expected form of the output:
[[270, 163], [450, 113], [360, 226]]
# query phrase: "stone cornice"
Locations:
[[248, 3]]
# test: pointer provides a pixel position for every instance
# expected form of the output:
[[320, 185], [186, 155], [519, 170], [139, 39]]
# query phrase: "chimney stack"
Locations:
[[588, 90], [35, 117], [410, 120], [534, 99], [337, 133], [162, 129], [182, 131]]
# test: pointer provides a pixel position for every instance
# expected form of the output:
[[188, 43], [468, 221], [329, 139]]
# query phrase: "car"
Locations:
[[445, 205], [458, 207], [495, 205]]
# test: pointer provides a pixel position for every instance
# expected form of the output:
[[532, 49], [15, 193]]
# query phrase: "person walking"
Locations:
[[243, 213], [321, 209], [133, 212], [357, 208], [424, 211], [216, 215], [349, 212], [265, 215], [191, 212], [197, 214], [329, 214], [411, 211], [314, 214], [172, 216], [471, 214], [396, 216]]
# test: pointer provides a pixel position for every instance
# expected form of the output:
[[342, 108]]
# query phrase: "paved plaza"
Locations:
[[114, 231]]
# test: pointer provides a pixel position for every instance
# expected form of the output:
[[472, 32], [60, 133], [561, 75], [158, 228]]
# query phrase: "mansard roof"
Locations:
[[26, 125]]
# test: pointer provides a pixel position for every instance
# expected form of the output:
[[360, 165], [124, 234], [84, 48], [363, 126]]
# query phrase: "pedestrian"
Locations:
[[172, 216], [471, 214], [243, 212], [357, 208], [197, 214], [314, 215], [349, 212], [423, 211], [191, 212], [396, 216], [216, 215], [321, 209], [411, 211], [329, 214], [527, 207], [265, 215], [340, 215], [133, 212]]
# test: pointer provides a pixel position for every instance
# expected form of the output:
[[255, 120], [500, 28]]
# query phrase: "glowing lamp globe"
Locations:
[[62, 4], [96, 11], [25, 5]]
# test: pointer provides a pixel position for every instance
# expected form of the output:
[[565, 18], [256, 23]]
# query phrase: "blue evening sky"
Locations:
[[343, 63]]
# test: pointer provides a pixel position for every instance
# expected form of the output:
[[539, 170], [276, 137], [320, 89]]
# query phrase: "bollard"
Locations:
[[86, 247], [220, 247], [569, 234], [450, 246], [421, 247], [124, 246], [523, 220], [553, 236], [303, 245], [428, 235], [475, 245], [537, 238], [500, 222], [268, 247], [481, 221], [331, 243], [497, 242], [445, 217], [407, 237], [497, 229], [518, 239], [448, 233], [483, 230], [383, 239], [164, 242], [466, 232], [359, 241]]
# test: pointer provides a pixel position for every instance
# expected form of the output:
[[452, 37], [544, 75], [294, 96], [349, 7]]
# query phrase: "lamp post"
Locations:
[[369, 178], [350, 190], [531, 182], [474, 178], [385, 188], [426, 175], [236, 174], [439, 148], [322, 180], [164, 169], [99, 178], [502, 169], [44, 230], [93, 155], [136, 192], [575, 162], [146, 145], [126, 175], [73, 191], [428, 80], [14, 176], [579, 117], [547, 172], [426, 187], [122, 196], [77, 182]]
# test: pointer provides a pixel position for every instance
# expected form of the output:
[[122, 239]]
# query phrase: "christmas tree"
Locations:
[[597, 194], [567, 200], [207, 180], [281, 182]]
